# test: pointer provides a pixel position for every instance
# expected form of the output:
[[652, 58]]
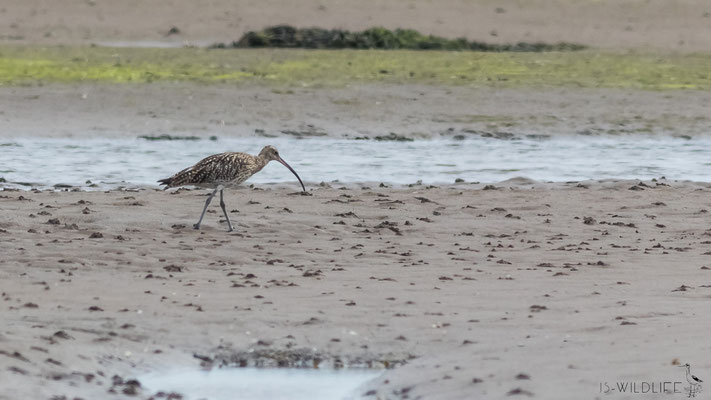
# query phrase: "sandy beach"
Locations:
[[514, 289], [545, 290]]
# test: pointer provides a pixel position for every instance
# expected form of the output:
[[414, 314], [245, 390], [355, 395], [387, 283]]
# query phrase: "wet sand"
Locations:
[[360, 110], [525, 288]]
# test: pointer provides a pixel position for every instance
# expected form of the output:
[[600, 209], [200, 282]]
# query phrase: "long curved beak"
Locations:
[[292, 171]]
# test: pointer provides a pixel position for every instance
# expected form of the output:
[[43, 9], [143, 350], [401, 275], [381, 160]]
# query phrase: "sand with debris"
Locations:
[[472, 291]]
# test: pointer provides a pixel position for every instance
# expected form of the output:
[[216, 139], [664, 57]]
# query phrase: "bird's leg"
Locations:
[[207, 203], [222, 204]]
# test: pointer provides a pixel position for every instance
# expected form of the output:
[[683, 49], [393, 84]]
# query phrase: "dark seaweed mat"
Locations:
[[285, 36]]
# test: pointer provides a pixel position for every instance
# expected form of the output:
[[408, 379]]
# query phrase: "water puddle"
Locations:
[[261, 383]]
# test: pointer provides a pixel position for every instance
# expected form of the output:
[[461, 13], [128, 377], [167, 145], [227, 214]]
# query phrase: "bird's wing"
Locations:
[[695, 378], [222, 167]]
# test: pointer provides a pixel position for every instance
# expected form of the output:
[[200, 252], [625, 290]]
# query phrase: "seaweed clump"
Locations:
[[302, 358], [286, 36]]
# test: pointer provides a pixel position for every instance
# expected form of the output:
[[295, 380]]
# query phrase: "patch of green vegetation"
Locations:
[[376, 38], [315, 68], [280, 91]]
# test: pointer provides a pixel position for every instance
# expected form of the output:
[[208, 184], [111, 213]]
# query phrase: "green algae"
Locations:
[[315, 68]]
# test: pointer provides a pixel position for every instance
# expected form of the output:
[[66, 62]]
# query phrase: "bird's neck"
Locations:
[[261, 162]]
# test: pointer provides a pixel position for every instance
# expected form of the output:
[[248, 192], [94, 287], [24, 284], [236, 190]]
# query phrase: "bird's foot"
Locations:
[[196, 226], [231, 229]]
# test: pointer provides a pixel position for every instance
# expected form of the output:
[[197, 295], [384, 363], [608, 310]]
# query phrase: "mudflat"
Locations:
[[546, 290], [417, 111]]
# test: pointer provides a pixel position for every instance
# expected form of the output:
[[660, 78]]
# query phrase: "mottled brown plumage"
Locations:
[[218, 169], [222, 170]]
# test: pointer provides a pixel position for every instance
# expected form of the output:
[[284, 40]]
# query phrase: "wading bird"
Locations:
[[223, 170]]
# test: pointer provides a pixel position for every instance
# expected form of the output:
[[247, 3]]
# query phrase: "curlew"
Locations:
[[222, 170]]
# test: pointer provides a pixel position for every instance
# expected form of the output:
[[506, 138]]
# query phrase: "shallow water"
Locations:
[[260, 384], [43, 162]]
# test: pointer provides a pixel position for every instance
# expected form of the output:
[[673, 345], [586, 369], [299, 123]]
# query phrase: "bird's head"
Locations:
[[270, 153], [685, 366]]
